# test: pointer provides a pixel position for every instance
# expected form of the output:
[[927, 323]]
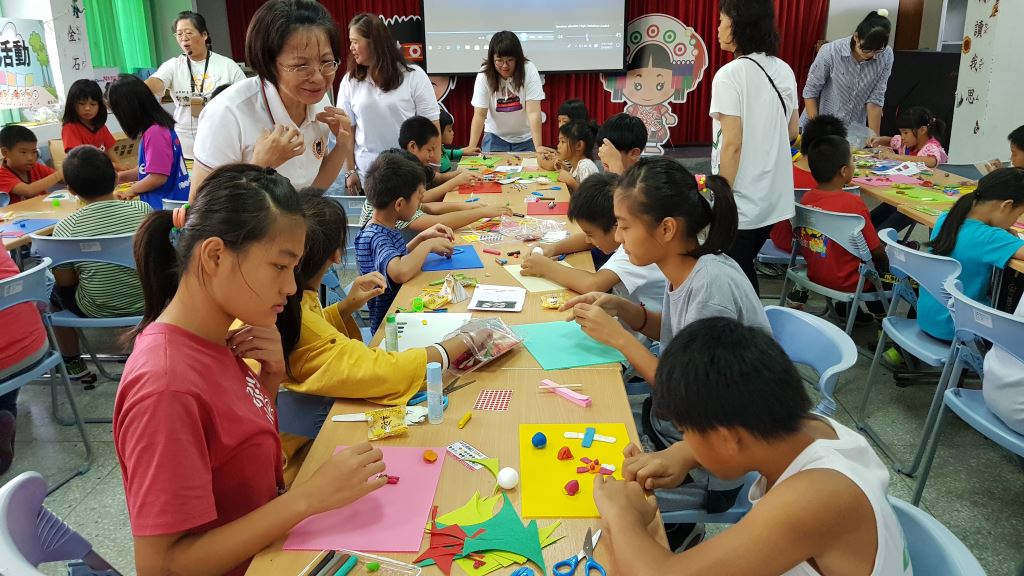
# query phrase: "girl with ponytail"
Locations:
[[194, 427], [975, 233], [919, 139]]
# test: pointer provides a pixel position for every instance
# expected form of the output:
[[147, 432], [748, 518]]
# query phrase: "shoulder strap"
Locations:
[[769, 77]]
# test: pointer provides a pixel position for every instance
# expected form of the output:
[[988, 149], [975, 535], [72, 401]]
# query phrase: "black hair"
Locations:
[[719, 373], [136, 110], [505, 44], [417, 129], [393, 176], [274, 22], [580, 131], [83, 90], [918, 116], [826, 156], [822, 125], [651, 55], [753, 25], [238, 203], [88, 172], [445, 119], [873, 31], [594, 201], [428, 171], [574, 109], [197, 21], [625, 132], [1017, 138], [14, 134], [661, 188], [216, 91], [999, 185]]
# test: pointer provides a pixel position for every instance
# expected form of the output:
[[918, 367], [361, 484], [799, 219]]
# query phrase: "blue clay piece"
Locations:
[[539, 440]]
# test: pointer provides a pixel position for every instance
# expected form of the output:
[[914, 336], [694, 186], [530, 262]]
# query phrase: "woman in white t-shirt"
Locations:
[[281, 118], [506, 99], [193, 76], [379, 92], [754, 118]]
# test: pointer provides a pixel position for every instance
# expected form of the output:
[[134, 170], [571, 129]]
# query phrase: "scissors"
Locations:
[[568, 566]]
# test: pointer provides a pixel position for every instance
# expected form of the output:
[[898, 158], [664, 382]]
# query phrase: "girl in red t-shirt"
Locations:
[[194, 428], [85, 120]]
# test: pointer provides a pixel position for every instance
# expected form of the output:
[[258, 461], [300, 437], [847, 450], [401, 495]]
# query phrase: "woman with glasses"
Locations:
[[379, 91], [193, 76], [849, 75], [281, 118], [506, 99]]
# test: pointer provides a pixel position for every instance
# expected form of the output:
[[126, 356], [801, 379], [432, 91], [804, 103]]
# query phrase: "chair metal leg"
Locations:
[[54, 380], [951, 367], [95, 359], [62, 374], [933, 445], [861, 418]]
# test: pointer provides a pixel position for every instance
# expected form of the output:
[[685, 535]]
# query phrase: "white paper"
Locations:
[[498, 298], [413, 333], [904, 169], [534, 283], [509, 169]]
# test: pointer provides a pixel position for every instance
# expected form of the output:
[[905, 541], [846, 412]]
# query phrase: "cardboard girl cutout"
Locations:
[[665, 60]]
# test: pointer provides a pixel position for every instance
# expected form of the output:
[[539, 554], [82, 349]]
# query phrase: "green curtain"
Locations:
[[13, 115], [120, 34]]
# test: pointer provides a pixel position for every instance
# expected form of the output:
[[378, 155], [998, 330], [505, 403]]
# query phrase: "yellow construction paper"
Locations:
[[544, 476], [533, 283], [476, 511]]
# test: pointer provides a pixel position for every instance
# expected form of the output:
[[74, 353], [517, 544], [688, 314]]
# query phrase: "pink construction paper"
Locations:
[[887, 180], [390, 519]]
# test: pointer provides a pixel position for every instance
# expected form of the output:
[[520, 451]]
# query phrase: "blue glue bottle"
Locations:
[[435, 391]]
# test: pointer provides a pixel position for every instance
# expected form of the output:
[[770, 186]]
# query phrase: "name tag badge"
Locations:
[[319, 148]]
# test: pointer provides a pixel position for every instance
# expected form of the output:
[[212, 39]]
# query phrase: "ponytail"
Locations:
[[157, 265], [998, 186], [874, 30], [917, 117], [661, 188]]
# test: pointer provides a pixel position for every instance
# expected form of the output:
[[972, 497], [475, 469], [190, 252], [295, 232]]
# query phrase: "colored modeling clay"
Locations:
[[539, 440], [429, 456], [572, 487], [564, 453]]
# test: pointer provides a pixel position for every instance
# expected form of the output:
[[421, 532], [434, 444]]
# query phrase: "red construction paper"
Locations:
[[540, 208], [481, 188]]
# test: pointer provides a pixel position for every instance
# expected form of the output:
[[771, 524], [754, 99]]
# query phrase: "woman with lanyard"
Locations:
[[506, 99], [281, 117], [753, 111], [193, 76], [379, 92], [849, 76]]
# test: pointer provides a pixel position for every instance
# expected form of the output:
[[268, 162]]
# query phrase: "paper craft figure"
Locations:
[[665, 60]]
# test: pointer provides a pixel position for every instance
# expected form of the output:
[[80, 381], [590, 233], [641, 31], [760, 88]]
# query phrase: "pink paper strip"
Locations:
[[887, 180], [390, 519]]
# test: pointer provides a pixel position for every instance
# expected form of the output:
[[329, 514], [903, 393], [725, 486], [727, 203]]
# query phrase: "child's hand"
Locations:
[[438, 231], [59, 173], [336, 120], [344, 478], [536, 265], [263, 344], [550, 250], [887, 155], [274, 148], [367, 287], [497, 211], [565, 176], [652, 470], [547, 160], [608, 302], [124, 194], [618, 500], [440, 246], [597, 323], [465, 178], [610, 158], [471, 151]]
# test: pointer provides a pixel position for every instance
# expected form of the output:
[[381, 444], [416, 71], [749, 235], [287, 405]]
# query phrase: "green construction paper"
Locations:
[[473, 512], [505, 531], [492, 465], [490, 161], [560, 345], [553, 176]]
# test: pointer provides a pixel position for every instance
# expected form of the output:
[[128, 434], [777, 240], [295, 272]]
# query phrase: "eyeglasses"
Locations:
[[504, 61], [185, 35], [306, 71], [869, 53]]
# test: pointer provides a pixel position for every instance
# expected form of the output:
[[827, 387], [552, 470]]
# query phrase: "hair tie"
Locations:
[[178, 216]]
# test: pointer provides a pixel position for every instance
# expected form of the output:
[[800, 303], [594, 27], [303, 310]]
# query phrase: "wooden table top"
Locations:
[[34, 208], [885, 194], [925, 215], [493, 433]]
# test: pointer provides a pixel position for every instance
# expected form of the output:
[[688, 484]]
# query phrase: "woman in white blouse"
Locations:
[[506, 99], [379, 92]]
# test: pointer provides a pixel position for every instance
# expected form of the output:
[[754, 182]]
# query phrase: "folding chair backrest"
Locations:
[[847, 230], [29, 286], [933, 549], [29, 533], [106, 249], [812, 341], [5, 199], [172, 204], [929, 270], [974, 318]]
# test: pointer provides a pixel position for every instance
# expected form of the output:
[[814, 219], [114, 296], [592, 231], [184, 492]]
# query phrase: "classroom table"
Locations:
[[926, 216], [493, 433], [894, 197], [37, 207]]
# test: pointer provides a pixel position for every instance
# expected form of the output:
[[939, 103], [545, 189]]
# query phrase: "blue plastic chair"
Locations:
[[31, 535], [770, 254], [5, 199], [172, 204], [30, 286], [816, 343], [933, 549], [106, 249], [930, 271], [975, 324], [846, 230], [733, 515]]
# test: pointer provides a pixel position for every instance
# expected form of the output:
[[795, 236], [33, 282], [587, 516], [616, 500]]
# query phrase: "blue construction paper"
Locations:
[[25, 227], [464, 258], [561, 345]]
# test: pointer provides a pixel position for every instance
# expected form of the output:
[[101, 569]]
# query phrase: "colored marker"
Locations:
[[492, 251], [537, 193], [347, 566], [472, 200], [560, 258], [465, 419]]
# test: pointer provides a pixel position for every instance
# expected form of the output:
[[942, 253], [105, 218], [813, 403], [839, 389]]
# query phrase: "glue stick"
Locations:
[[435, 411], [391, 333]]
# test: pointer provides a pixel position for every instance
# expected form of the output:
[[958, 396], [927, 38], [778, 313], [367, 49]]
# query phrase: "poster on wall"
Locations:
[[665, 61], [972, 124], [26, 80]]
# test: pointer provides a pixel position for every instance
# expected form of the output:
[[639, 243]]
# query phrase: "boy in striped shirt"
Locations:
[[90, 289]]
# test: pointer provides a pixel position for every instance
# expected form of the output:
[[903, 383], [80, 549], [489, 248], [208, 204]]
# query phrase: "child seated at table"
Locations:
[[571, 110], [85, 120], [574, 162], [394, 187], [94, 289], [975, 232], [620, 141], [820, 505], [918, 140], [450, 156], [22, 175], [831, 163], [1016, 139], [591, 208]]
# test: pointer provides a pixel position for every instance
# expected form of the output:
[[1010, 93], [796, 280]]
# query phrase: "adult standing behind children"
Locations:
[[506, 99], [753, 111], [379, 92], [192, 76], [281, 118]]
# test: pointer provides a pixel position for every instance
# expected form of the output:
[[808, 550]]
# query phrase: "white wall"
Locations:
[[844, 15]]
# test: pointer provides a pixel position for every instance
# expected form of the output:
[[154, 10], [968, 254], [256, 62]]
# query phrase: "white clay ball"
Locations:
[[508, 478]]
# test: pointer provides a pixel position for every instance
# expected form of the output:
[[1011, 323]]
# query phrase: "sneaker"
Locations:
[[769, 270], [682, 537], [797, 299], [78, 371], [7, 431], [893, 358]]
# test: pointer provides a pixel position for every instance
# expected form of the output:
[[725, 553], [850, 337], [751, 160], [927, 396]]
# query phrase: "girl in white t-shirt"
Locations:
[[574, 159], [379, 92], [193, 76], [754, 118], [506, 99]]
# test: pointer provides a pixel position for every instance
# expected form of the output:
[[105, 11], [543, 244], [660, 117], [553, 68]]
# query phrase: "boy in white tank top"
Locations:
[[820, 506]]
